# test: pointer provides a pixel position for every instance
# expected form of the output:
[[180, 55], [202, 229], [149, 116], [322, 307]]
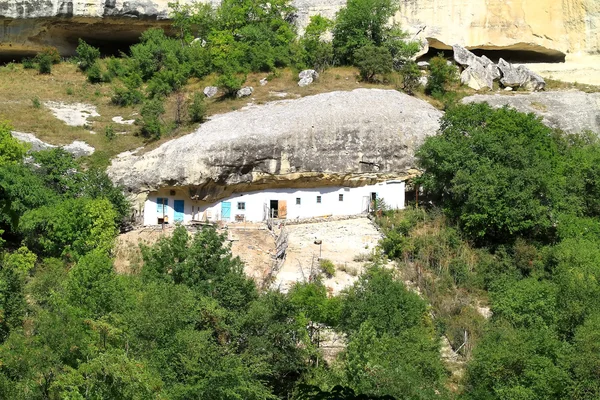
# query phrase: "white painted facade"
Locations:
[[254, 206]]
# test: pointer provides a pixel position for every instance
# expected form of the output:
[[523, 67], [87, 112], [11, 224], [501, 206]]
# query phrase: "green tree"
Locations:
[[197, 108], [372, 61], [441, 74], [151, 123], [87, 55], [498, 173], [319, 52], [11, 150], [410, 77]]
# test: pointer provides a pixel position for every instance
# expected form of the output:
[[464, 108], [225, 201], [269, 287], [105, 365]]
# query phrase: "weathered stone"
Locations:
[[72, 114], [77, 148], [423, 81], [338, 138], [572, 111], [477, 77], [423, 65], [508, 89], [305, 81], [463, 56], [263, 81], [308, 73], [245, 91], [520, 76], [210, 91]]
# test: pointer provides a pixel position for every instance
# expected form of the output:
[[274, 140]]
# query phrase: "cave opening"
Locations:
[[515, 56]]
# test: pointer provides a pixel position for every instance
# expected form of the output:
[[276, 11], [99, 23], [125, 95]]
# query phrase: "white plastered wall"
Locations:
[[354, 201]]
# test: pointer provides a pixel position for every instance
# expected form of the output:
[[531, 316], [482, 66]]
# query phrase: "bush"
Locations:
[[36, 103], [151, 123], [115, 67], [28, 63], [52, 53], [410, 77], [231, 83], [327, 267], [109, 132], [128, 95], [94, 73], [44, 62], [87, 55], [440, 75], [372, 61], [197, 109]]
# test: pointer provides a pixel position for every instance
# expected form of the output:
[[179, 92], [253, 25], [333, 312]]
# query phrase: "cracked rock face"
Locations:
[[549, 27], [338, 138], [572, 111]]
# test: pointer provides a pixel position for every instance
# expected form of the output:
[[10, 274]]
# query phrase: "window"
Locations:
[[297, 201], [341, 197], [318, 199], [241, 205], [161, 205]]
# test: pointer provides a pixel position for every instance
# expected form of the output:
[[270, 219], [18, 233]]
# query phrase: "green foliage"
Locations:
[[441, 74], [109, 132], [28, 63], [231, 83], [327, 267], [93, 286], [151, 123], [70, 228], [197, 108], [87, 56], [372, 61], [318, 52], [11, 150], [36, 103], [52, 53], [410, 77], [130, 93], [44, 62], [497, 173], [383, 302]]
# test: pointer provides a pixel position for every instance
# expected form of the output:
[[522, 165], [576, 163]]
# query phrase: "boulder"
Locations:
[[520, 76], [336, 138], [245, 91], [423, 81], [464, 57], [571, 111], [263, 81], [307, 77], [210, 91], [423, 65], [79, 148], [477, 76]]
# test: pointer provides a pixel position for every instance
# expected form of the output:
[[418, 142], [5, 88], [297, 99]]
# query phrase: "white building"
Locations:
[[176, 206]]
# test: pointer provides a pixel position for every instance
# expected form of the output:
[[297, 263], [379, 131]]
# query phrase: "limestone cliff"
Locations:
[[337, 138], [547, 27]]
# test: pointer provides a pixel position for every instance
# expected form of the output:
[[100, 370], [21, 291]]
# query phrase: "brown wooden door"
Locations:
[[282, 209]]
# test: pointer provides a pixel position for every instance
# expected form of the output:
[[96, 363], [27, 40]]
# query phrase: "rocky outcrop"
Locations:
[[307, 77], [550, 28], [481, 72], [77, 148], [571, 111], [337, 138]]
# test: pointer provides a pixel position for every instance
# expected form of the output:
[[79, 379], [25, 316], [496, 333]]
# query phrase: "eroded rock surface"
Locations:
[[337, 138], [77, 148], [550, 27], [572, 111]]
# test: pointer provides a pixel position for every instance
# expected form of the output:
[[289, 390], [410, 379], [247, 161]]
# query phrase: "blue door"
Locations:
[[225, 210], [178, 207]]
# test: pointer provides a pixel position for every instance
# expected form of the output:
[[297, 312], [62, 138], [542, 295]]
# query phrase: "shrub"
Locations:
[[115, 67], [440, 75], [87, 55], [128, 95], [231, 83], [52, 53], [410, 77], [327, 267], [372, 61], [28, 63], [197, 108], [151, 123], [109, 132], [44, 62], [36, 103], [94, 73]]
